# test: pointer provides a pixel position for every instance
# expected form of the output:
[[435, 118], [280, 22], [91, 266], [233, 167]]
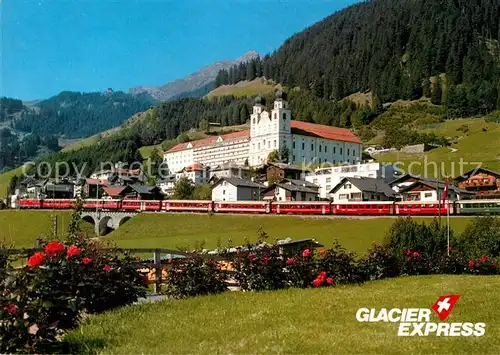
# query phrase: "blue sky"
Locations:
[[90, 45]]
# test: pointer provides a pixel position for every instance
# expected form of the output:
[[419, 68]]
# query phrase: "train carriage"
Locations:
[[141, 205], [473, 207], [419, 208], [242, 207], [58, 204], [187, 206], [370, 208], [305, 208], [29, 203]]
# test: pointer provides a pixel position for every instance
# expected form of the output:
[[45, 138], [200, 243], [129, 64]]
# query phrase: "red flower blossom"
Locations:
[[290, 261], [407, 251], [472, 262], [306, 253], [251, 256], [11, 308], [36, 259], [322, 252], [416, 254], [329, 280], [430, 266], [106, 268], [317, 282], [86, 260], [408, 258], [54, 248], [265, 259], [495, 265], [73, 251], [322, 274], [450, 248], [484, 259]]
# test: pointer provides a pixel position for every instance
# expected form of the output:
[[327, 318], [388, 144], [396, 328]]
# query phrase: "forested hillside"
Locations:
[[396, 49], [76, 115]]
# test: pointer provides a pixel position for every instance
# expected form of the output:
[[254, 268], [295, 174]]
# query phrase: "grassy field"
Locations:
[[184, 230], [21, 228], [5, 179], [244, 88], [477, 147], [295, 321]]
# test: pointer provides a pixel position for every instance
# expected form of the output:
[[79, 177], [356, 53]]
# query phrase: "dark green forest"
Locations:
[[9, 106], [77, 115], [394, 48]]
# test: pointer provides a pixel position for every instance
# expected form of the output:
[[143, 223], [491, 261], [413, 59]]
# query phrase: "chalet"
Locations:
[[409, 179], [116, 192], [351, 189], [142, 192], [167, 185], [235, 189], [59, 189], [111, 175], [284, 191], [93, 188], [280, 171], [432, 191], [484, 183]]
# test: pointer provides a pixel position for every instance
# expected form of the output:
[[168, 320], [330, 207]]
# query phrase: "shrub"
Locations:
[[482, 266], [48, 295], [339, 264], [430, 240], [481, 237], [194, 276], [301, 269], [455, 263], [379, 264], [260, 269], [414, 263]]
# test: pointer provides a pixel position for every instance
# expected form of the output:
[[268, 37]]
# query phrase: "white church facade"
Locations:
[[269, 131]]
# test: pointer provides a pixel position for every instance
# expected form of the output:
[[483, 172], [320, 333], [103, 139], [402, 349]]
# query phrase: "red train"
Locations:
[[370, 208]]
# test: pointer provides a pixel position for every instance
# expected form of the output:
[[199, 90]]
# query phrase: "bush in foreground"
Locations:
[[58, 285]]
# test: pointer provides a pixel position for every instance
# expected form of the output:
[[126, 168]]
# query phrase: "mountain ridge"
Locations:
[[195, 81]]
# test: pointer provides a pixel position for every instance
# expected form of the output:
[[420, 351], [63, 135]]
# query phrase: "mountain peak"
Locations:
[[202, 79]]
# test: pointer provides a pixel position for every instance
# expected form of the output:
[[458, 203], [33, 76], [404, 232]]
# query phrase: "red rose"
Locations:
[[290, 261], [251, 256], [11, 308], [450, 249], [306, 253], [322, 274], [73, 251], [472, 262], [408, 258], [317, 282], [86, 260], [322, 252], [329, 281], [106, 268], [416, 254], [265, 259], [494, 265], [54, 248], [430, 266], [484, 259], [408, 252], [36, 259]]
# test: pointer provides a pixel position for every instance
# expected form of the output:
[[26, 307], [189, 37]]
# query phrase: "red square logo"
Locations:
[[444, 305]]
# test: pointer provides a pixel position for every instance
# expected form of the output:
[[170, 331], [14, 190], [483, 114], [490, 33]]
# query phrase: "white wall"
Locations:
[[225, 192]]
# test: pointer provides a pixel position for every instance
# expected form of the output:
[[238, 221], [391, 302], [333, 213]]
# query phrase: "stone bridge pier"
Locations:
[[104, 221]]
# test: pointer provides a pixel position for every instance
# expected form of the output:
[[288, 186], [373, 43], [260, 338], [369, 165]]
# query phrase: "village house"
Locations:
[[351, 189], [484, 183], [167, 185], [230, 169], [427, 191], [408, 179], [328, 177], [235, 189], [287, 191], [197, 173]]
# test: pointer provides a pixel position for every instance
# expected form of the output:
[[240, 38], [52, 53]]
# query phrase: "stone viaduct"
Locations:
[[103, 221]]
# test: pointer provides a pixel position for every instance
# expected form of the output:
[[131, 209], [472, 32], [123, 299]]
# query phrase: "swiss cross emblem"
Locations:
[[444, 305]]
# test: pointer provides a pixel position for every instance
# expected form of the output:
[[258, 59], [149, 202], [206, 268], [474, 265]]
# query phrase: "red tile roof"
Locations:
[[114, 191], [303, 128], [327, 132], [210, 140]]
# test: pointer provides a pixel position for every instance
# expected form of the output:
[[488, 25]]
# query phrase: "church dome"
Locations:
[[280, 94]]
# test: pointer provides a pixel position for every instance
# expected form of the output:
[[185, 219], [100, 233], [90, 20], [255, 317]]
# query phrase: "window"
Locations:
[[334, 150], [294, 158], [326, 149], [275, 143], [284, 116], [269, 144], [258, 145], [347, 152], [223, 192], [303, 146], [320, 148], [328, 188], [347, 186], [340, 151], [343, 196], [353, 152], [293, 145], [275, 116], [428, 194], [312, 147]]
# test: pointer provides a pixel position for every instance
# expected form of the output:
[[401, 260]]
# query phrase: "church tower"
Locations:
[[269, 131]]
